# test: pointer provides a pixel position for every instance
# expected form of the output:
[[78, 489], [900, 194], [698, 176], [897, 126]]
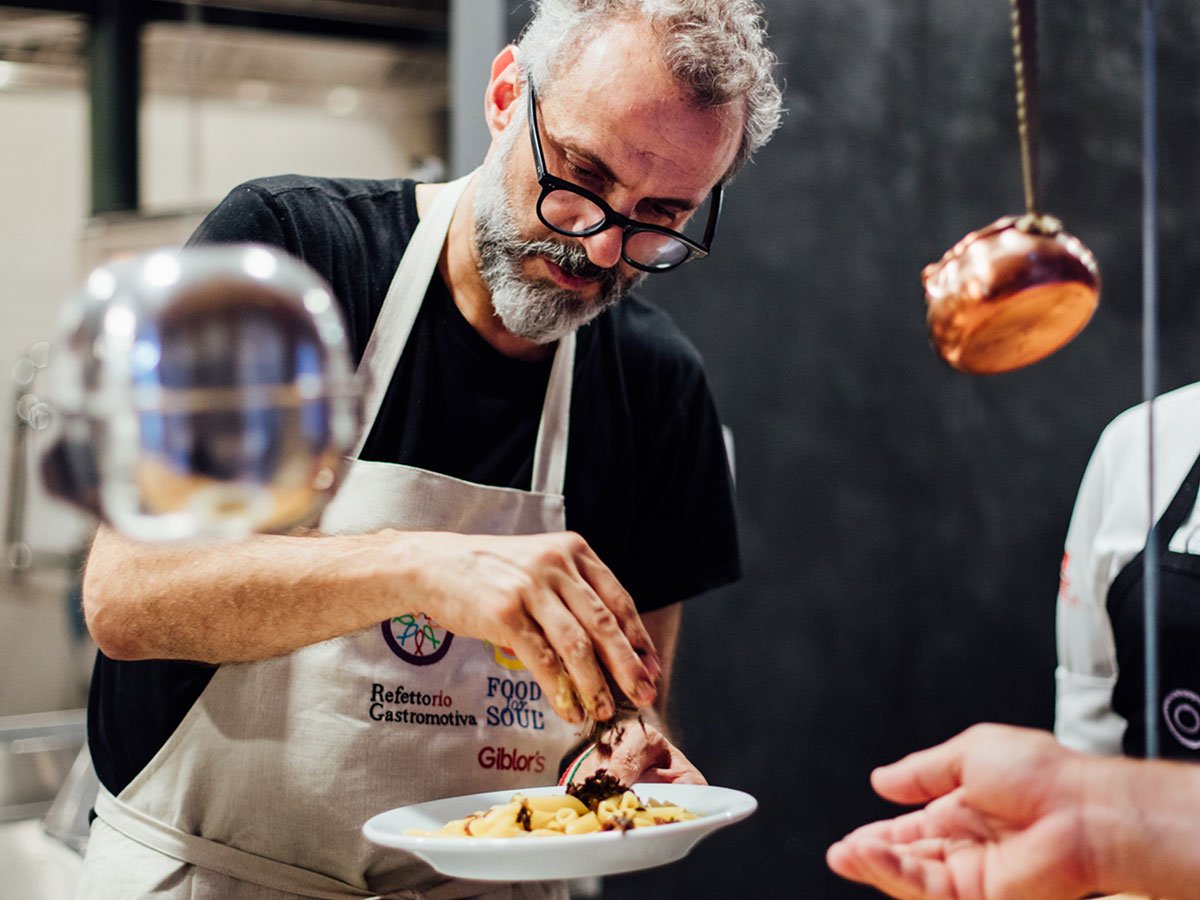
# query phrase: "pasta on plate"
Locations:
[[561, 814]]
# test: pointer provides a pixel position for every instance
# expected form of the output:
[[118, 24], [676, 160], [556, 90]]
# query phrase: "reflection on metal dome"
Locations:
[[204, 392]]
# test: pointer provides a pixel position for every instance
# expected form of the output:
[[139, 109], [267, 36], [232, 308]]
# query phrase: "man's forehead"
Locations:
[[634, 129]]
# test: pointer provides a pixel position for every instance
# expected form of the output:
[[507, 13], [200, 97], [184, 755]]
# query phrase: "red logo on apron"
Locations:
[[416, 639]]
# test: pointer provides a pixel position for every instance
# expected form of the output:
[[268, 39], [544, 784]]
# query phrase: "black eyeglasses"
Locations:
[[576, 212]]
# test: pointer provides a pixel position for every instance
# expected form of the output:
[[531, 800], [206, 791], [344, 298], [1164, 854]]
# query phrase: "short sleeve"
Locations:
[[247, 214]]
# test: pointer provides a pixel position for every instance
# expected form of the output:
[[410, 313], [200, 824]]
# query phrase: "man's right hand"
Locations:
[[1001, 821], [1010, 814], [548, 598]]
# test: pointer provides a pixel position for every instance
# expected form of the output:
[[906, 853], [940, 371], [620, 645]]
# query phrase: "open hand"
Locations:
[[1002, 822]]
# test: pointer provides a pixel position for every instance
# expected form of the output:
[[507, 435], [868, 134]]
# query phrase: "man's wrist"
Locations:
[[1105, 824], [399, 567], [1141, 824]]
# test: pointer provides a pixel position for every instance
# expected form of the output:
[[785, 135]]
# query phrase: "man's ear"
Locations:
[[503, 91]]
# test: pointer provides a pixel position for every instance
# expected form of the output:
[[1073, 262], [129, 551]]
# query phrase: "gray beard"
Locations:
[[534, 309]]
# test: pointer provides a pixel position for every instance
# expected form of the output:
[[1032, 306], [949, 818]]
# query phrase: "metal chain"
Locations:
[[1025, 69]]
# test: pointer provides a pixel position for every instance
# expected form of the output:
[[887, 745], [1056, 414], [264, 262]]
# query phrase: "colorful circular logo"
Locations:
[[416, 639]]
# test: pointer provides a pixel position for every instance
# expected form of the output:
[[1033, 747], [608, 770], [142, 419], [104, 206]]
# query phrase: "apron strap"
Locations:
[[403, 302], [223, 858], [1164, 529], [550, 452], [1179, 508]]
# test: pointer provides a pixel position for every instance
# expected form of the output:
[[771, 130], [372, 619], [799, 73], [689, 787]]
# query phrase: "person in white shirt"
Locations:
[[1100, 704]]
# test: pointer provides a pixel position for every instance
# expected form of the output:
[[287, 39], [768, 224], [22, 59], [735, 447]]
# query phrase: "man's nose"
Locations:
[[604, 247]]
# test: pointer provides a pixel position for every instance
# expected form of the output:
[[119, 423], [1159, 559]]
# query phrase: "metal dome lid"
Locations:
[[202, 392]]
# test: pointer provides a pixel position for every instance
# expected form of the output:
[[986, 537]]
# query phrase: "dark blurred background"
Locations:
[[902, 523]]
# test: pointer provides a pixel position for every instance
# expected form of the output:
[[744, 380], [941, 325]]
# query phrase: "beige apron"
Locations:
[[262, 790]]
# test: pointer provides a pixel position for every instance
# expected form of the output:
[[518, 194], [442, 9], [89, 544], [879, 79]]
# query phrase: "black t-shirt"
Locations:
[[647, 480]]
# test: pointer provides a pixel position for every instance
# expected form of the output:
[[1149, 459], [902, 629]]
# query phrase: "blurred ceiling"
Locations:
[[226, 48]]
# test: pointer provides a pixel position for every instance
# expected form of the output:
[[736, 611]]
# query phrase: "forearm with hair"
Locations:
[[216, 603]]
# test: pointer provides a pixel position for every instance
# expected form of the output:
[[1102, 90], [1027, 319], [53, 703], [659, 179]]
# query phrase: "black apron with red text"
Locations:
[[1178, 703]]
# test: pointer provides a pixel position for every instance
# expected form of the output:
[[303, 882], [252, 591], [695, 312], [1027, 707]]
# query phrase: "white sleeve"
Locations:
[[1087, 666]]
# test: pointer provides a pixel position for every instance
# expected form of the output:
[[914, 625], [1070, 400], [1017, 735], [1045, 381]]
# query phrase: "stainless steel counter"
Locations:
[[37, 752], [46, 788]]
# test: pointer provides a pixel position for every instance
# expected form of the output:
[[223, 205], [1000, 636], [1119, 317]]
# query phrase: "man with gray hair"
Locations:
[[540, 482]]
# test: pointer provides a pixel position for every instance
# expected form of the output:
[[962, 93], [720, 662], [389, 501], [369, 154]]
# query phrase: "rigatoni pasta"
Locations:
[[561, 814]]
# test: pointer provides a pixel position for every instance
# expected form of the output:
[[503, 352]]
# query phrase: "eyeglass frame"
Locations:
[[550, 183]]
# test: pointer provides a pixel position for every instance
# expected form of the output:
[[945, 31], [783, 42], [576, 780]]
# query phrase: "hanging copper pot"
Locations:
[[1017, 290], [1009, 294]]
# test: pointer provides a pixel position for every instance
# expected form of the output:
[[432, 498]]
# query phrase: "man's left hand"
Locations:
[[633, 751]]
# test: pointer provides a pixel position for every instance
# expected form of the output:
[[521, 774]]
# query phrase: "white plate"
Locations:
[[566, 856]]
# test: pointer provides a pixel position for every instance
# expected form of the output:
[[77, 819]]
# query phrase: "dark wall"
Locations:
[[902, 524]]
